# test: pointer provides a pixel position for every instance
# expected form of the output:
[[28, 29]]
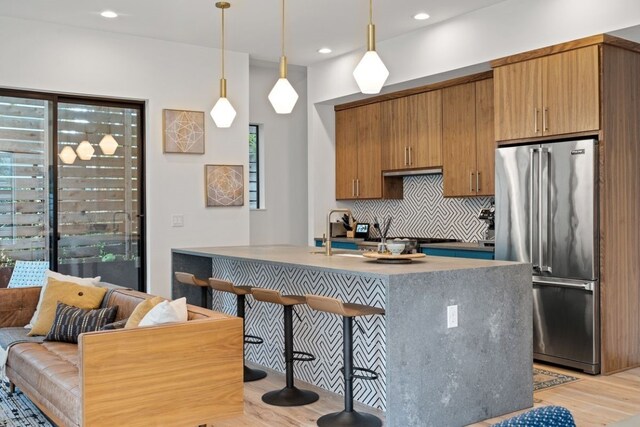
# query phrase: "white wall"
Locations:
[[432, 53], [283, 139], [55, 58]]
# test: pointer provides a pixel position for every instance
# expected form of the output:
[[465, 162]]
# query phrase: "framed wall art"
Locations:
[[183, 131], [224, 185]]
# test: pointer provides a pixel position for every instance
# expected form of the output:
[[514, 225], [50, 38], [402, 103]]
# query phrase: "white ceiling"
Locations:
[[253, 26]]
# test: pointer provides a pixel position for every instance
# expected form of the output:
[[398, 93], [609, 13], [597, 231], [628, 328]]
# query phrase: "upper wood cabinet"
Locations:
[[412, 131], [358, 153], [552, 95], [468, 140]]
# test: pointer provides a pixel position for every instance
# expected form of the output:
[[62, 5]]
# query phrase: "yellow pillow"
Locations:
[[87, 297], [141, 309]]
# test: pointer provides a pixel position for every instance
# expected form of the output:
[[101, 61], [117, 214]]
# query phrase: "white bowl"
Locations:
[[395, 248]]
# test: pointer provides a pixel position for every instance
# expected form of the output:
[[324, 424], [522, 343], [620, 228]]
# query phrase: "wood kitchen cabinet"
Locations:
[[551, 95], [412, 131], [358, 153], [468, 139]]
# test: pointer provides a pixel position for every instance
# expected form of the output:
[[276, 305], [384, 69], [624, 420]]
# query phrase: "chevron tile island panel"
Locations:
[[317, 333], [424, 212]]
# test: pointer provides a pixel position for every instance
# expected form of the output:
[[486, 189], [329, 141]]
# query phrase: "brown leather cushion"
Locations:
[[53, 366]]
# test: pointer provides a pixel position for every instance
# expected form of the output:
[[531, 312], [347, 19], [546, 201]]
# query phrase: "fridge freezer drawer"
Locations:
[[566, 324]]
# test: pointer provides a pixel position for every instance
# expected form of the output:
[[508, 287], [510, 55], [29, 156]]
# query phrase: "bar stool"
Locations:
[[241, 292], [290, 395], [191, 280], [348, 417]]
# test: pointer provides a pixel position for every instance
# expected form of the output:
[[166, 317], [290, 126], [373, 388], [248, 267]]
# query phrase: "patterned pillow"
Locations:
[[544, 416], [28, 273], [71, 321]]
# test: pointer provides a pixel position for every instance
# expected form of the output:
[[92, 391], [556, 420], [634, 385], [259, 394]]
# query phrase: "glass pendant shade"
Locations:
[[223, 113], [67, 155], [283, 96], [85, 150], [371, 73], [108, 145]]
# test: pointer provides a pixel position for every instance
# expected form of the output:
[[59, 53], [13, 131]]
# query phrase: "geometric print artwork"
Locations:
[[317, 333], [183, 131], [28, 273], [18, 411], [424, 212], [224, 185]]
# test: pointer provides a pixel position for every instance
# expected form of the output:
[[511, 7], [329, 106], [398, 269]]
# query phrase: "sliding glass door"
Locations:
[[71, 186]]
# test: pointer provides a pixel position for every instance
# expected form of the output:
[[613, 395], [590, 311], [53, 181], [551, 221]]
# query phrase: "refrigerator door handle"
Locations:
[[542, 213], [585, 286], [532, 152]]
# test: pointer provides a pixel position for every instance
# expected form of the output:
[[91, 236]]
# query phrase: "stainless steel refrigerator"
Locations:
[[547, 214]]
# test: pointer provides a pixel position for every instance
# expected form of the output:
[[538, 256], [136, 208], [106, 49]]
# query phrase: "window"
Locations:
[[86, 217], [254, 170]]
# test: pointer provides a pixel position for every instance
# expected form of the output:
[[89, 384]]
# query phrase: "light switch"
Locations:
[[452, 316], [177, 220]]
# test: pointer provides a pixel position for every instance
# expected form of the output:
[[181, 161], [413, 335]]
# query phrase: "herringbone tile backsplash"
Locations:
[[424, 212]]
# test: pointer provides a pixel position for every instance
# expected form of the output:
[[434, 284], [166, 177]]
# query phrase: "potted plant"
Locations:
[[6, 268]]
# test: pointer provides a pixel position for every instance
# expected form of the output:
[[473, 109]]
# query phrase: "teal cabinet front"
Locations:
[[458, 253], [339, 245]]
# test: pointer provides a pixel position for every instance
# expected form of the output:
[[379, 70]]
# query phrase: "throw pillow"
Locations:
[[114, 325], [71, 321], [89, 281], [80, 296], [166, 312], [141, 310], [28, 273]]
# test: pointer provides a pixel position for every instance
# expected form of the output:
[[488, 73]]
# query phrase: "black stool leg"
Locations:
[[348, 417], [249, 374], [290, 395]]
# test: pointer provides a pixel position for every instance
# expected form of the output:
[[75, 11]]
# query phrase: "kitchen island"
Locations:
[[429, 374]]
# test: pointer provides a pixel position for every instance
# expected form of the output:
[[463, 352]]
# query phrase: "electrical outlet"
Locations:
[[452, 316], [177, 220]]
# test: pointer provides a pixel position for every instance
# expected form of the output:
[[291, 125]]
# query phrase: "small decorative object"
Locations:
[[224, 185], [183, 131]]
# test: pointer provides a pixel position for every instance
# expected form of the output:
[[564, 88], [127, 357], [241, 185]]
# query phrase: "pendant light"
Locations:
[[108, 143], [223, 112], [283, 96], [371, 73], [85, 150], [67, 155]]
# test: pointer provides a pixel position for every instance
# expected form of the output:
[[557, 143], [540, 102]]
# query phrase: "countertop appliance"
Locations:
[[488, 216], [547, 214]]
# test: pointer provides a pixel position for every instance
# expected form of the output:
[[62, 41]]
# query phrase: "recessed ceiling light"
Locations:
[[324, 50], [109, 14], [421, 16]]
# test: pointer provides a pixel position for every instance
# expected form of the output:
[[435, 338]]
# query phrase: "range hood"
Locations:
[[413, 172]]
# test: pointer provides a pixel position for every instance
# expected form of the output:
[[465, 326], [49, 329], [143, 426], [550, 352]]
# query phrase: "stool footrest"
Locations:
[[302, 356], [252, 339], [373, 375]]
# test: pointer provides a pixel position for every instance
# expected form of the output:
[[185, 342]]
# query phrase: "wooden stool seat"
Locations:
[[225, 286], [190, 279], [275, 297], [344, 309]]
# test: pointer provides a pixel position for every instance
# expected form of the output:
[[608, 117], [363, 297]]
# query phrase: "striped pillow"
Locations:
[[71, 321]]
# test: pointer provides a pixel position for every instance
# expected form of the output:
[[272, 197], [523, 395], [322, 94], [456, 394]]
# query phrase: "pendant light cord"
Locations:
[[222, 43], [282, 28], [370, 11]]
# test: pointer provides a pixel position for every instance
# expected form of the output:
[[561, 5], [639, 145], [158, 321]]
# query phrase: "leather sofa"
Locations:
[[181, 374]]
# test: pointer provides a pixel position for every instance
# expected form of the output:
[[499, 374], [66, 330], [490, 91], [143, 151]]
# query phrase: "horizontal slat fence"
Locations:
[[98, 199]]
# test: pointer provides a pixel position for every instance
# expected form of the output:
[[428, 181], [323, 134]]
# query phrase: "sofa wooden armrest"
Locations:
[[185, 374], [17, 306]]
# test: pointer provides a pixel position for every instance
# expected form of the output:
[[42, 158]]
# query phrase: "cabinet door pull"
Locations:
[[405, 157], [410, 155], [358, 187], [353, 188], [535, 120], [545, 124], [478, 181], [471, 182]]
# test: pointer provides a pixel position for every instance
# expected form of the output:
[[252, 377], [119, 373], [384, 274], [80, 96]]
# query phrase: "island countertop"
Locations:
[[342, 261]]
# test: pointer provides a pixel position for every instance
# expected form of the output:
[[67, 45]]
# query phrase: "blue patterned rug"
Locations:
[[18, 411]]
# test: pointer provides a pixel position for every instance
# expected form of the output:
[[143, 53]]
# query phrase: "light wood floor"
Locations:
[[593, 401]]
